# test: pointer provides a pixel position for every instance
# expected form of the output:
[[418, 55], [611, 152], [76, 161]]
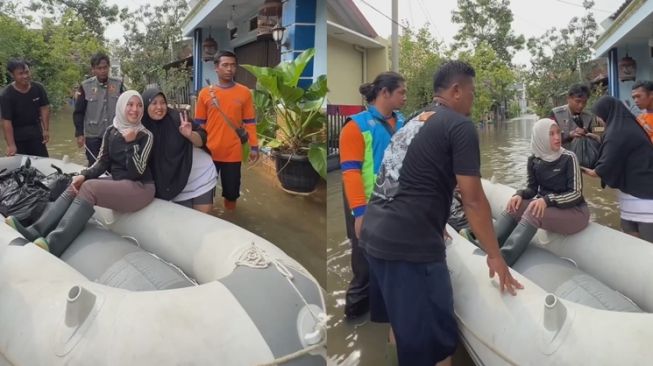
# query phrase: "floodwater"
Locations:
[[293, 223], [504, 150]]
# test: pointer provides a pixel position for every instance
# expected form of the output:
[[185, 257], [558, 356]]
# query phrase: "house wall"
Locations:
[[642, 55], [222, 36], [345, 70], [377, 62]]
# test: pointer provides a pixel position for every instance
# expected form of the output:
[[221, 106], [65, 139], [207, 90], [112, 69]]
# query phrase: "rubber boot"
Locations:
[[517, 242], [504, 225], [48, 220], [229, 205], [72, 223]]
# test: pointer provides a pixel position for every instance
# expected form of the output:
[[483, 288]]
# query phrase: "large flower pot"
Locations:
[[295, 173]]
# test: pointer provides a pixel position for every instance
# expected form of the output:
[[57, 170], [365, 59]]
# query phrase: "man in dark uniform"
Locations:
[[25, 112], [95, 106]]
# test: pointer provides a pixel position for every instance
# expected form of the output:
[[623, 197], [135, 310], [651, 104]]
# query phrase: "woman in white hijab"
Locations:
[[553, 197], [125, 152]]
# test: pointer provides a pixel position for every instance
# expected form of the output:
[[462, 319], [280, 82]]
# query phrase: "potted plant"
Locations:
[[292, 122]]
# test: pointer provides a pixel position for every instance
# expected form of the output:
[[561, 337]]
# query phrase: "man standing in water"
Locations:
[[362, 142], [226, 111], [95, 106], [574, 122], [404, 227], [25, 112], [643, 96]]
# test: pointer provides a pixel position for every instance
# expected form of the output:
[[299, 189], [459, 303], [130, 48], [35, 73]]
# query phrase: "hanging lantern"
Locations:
[[209, 48], [627, 68], [269, 15]]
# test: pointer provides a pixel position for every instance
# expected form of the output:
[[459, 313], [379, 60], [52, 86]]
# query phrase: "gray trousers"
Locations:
[[566, 221], [121, 195]]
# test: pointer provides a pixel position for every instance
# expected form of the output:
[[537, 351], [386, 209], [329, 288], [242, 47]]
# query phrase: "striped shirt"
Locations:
[[559, 182]]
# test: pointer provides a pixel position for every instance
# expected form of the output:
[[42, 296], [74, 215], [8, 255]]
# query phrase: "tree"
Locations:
[[420, 55], [150, 33], [487, 21], [494, 80], [59, 53], [556, 60], [95, 14]]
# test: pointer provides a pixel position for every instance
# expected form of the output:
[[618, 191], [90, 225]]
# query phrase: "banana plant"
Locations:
[[298, 123]]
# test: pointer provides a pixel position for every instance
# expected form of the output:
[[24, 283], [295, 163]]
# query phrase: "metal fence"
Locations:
[[336, 116]]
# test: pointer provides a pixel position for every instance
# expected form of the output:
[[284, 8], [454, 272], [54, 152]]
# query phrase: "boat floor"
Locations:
[[563, 278]]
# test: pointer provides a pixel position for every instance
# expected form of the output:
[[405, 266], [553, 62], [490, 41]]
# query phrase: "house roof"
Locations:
[[630, 23], [621, 9], [349, 16]]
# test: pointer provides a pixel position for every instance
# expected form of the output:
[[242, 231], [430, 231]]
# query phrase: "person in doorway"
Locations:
[[25, 112], [553, 197], [363, 140], [226, 111], [125, 152], [403, 233], [572, 118], [643, 96], [183, 172], [626, 163], [95, 106]]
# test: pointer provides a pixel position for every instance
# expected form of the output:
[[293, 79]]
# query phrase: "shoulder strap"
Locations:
[[217, 106]]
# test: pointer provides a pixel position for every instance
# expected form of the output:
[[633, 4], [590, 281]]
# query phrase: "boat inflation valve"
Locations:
[[555, 313], [311, 325], [80, 302], [82, 307]]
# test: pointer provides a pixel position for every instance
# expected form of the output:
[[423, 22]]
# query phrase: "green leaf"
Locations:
[[317, 155], [274, 143], [246, 151]]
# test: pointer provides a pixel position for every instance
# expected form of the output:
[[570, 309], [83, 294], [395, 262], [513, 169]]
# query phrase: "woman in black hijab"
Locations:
[[183, 173], [626, 163]]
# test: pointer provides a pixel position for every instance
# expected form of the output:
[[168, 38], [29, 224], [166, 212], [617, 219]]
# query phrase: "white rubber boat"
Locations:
[[163, 286], [587, 300]]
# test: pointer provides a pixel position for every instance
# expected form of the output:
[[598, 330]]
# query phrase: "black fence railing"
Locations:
[[336, 117]]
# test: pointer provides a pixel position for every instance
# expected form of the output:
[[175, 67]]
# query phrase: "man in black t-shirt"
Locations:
[[402, 234], [25, 112]]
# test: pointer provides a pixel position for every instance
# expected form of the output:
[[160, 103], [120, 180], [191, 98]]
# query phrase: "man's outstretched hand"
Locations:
[[506, 282]]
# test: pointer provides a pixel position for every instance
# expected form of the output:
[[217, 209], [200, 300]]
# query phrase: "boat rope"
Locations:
[[485, 343], [255, 257]]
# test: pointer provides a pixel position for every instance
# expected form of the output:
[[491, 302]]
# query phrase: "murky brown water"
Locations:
[[293, 223], [504, 150]]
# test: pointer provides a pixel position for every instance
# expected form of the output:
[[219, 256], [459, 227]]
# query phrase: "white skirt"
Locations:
[[202, 177], [635, 209]]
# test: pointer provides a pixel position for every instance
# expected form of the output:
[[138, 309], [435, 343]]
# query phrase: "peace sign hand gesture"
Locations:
[[185, 128]]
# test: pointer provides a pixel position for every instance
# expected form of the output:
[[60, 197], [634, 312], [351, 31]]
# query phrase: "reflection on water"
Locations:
[[293, 223], [504, 150]]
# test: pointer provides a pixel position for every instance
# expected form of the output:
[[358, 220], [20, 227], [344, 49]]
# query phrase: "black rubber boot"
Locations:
[[504, 225], [517, 242], [48, 220], [72, 223]]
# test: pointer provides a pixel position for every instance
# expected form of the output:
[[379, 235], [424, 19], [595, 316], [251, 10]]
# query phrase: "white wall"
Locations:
[[642, 55]]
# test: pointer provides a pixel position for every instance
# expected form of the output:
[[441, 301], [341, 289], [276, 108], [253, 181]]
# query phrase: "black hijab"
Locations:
[[172, 153], [626, 154]]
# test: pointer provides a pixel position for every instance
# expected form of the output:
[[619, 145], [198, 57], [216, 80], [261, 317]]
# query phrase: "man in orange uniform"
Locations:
[[226, 110], [643, 96]]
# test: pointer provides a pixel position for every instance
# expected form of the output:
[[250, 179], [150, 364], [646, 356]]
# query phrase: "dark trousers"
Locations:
[[229, 178], [93, 144], [357, 298], [34, 147]]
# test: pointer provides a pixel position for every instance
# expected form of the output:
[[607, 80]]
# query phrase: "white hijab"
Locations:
[[541, 141], [120, 120]]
